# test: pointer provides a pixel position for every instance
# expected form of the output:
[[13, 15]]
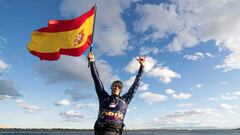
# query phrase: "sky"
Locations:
[[191, 77]]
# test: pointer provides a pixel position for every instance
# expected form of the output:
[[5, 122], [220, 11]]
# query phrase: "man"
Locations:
[[112, 108]]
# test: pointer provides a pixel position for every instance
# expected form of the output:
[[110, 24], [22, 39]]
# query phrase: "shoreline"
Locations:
[[76, 130]]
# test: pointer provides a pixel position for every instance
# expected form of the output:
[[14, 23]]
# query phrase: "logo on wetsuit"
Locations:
[[113, 114]]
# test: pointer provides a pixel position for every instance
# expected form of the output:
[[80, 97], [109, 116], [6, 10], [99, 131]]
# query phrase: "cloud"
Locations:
[[184, 117], [63, 102], [149, 50], [110, 31], [164, 74], [151, 69], [5, 97], [230, 62], [194, 57], [181, 96], [72, 116], [133, 65], [185, 104], [3, 66], [144, 87], [75, 70], [188, 113], [231, 96], [152, 97], [66, 69], [209, 55], [71, 69], [224, 83], [128, 83], [195, 22], [3, 41], [8, 89], [150, 18], [227, 107], [27, 107], [197, 56], [177, 96], [77, 94], [169, 91], [93, 106], [199, 85]]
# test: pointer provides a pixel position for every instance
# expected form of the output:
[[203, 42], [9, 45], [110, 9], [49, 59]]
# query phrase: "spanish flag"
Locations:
[[68, 37]]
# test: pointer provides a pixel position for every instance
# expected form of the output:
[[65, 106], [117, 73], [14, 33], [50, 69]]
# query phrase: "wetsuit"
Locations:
[[112, 109]]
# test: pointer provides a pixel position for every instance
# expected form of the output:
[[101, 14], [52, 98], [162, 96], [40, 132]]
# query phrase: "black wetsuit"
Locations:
[[112, 109]]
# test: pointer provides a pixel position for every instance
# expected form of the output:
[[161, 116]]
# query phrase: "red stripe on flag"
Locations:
[[66, 25], [72, 52]]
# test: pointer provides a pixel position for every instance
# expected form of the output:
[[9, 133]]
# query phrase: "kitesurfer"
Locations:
[[112, 108]]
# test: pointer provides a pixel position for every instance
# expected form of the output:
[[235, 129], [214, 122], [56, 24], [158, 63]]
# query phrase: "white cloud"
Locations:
[[224, 83], [93, 106], [199, 85], [230, 62], [128, 83], [185, 104], [133, 65], [231, 96], [169, 91], [151, 69], [181, 96], [72, 116], [151, 15], [212, 99], [152, 97], [3, 41], [185, 118], [188, 113], [194, 22], [227, 107], [164, 74], [148, 50], [3, 65], [63, 102], [110, 31], [196, 56], [143, 87], [5, 97], [27, 107], [209, 55]]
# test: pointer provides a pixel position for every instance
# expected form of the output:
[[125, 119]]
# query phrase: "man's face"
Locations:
[[116, 89]]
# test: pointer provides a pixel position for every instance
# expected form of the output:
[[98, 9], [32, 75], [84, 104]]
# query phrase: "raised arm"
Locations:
[[129, 95], [101, 93]]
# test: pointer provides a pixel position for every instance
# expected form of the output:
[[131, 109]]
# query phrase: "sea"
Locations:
[[131, 132]]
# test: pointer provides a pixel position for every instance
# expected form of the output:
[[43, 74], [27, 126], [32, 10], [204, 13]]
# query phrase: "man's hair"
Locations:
[[117, 82]]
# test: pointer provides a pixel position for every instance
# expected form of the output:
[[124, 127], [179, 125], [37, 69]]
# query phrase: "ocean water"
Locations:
[[141, 132]]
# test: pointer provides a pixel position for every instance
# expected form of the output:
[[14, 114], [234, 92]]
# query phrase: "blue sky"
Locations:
[[191, 76]]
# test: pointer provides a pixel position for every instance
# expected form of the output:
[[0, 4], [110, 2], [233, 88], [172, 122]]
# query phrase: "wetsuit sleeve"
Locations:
[[101, 93], [129, 95]]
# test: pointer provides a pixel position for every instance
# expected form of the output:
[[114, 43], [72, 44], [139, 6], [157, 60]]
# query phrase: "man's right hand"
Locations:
[[90, 57]]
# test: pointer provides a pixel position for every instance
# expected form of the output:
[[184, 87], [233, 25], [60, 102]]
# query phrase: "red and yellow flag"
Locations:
[[68, 37]]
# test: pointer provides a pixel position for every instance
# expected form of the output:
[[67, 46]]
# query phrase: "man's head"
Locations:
[[117, 87]]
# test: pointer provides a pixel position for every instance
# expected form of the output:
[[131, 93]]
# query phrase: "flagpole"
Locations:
[[95, 13]]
